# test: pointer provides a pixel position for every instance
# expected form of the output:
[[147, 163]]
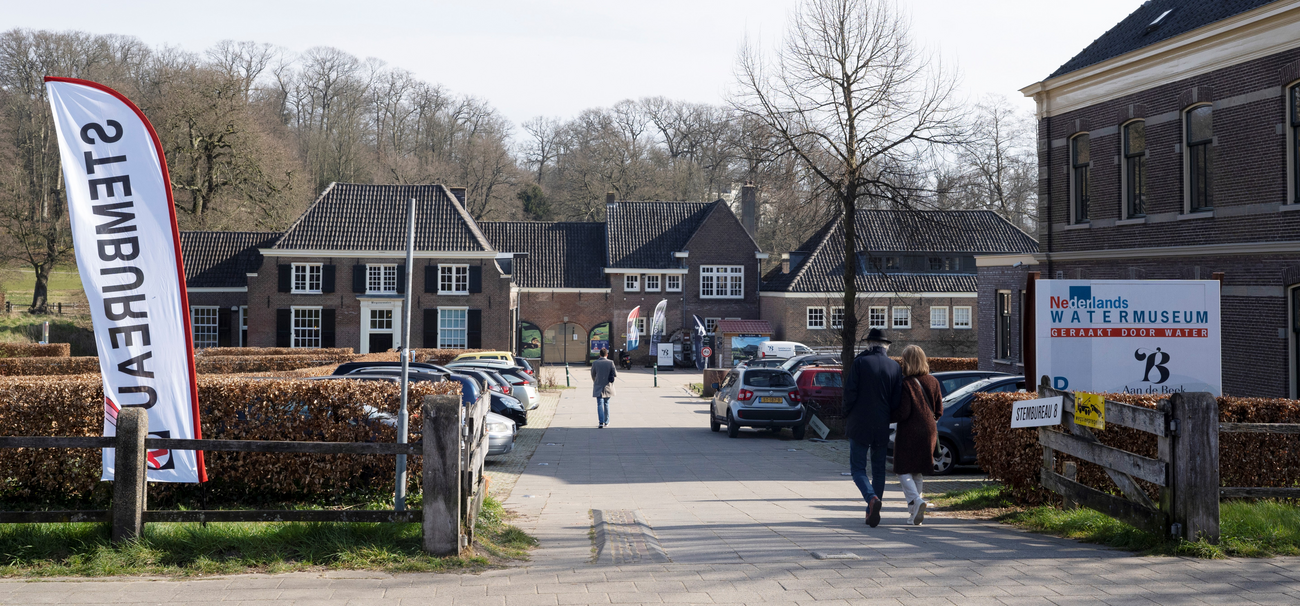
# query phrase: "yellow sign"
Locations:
[[1090, 410]]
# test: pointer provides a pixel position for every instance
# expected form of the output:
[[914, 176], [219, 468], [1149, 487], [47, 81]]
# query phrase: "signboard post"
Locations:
[[1129, 336], [664, 355]]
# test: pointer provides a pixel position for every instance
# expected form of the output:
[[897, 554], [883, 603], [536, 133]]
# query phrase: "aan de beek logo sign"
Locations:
[[1130, 336]]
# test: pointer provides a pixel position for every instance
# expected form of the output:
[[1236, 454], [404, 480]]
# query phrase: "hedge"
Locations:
[[322, 353], [441, 356], [79, 365], [1014, 457], [203, 364], [35, 350], [231, 409]]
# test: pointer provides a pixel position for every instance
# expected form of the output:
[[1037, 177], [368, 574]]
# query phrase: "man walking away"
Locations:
[[602, 378], [872, 390]]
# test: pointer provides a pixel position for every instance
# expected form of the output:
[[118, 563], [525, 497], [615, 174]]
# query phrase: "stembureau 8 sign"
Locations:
[[1129, 336]]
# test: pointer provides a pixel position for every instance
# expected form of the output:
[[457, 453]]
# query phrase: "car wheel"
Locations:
[[945, 460], [799, 431], [733, 430], [714, 425]]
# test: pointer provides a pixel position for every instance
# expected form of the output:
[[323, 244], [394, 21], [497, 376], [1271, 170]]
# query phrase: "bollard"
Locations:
[[656, 374], [129, 473], [566, 375]]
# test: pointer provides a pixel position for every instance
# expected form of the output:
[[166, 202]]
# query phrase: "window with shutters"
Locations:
[[652, 283], [204, 320], [902, 317], [837, 318], [961, 317], [381, 279], [816, 318], [939, 317], [631, 283], [453, 280], [453, 327], [876, 317], [306, 327], [722, 281], [306, 278], [673, 283]]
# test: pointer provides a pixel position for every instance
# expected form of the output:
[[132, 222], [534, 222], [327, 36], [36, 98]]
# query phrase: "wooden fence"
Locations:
[[453, 434], [1186, 467]]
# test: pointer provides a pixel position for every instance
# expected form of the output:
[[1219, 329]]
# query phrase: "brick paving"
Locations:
[[503, 471], [738, 521]]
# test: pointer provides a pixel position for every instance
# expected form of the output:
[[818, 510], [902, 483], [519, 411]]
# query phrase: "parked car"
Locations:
[[490, 381], [523, 386], [821, 388], [952, 380], [956, 440], [525, 365], [508, 407], [470, 388], [783, 349], [349, 367], [486, 355], [794, 364], [757, 397], [501, 434], [763, 363]]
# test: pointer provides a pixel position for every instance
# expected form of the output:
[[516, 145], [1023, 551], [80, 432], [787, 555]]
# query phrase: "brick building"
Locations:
[[916, 279], [1170, 149], [217, 266]]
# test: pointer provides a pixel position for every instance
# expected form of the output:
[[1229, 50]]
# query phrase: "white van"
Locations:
[[783, 349]]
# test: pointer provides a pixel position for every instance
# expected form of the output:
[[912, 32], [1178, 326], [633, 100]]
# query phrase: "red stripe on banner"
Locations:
[[180, 263], [1128, 333]]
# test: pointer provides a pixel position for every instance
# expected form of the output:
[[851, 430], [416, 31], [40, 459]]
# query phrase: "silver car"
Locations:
[[757, 397], [523, 386], [501, 434]]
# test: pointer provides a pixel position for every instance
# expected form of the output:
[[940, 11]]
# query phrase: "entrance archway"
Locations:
[[564, 342]]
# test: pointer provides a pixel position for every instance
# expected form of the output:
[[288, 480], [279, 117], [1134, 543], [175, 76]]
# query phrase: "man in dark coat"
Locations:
[[873, 387], [602, 375]]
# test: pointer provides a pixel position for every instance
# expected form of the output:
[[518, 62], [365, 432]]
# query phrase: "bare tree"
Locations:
[[852, 98], [999, 163], [542, 145]]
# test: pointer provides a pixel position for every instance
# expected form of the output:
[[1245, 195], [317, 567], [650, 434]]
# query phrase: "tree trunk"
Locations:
[[40, 293], [848, 339]]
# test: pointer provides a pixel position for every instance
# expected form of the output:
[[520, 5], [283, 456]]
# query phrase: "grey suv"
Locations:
[[757, 397]]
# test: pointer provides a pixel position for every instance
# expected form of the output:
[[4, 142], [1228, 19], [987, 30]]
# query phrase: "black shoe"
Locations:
[[873, 512]]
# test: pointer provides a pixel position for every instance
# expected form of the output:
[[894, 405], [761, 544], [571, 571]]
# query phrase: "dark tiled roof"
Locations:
[[560, 255], [743, 327], [352, 216], [1131, 34], [891, 231], [216, 259], [646, 234]]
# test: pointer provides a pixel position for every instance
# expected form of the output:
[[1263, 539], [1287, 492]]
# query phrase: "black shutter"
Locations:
[[283, 327], [359, 278], [327, 278], [286, 277], [475, 278], [474, 336], [431, 278], [401, 279], [327, 328], [431, 328], [223, 327]]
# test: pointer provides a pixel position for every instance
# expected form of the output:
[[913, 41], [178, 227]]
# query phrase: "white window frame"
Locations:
[[301, 337], [906, 317], [450, 275], [305, 276], [815, 318], [381, 279], [836, 320], [640, 326], [714, 278], [711, 324], [940, 322], [243, 324], [969, 318], [631, 282], [884, 316], [201, 340], [672, 283], [445, 331], [654, 279]]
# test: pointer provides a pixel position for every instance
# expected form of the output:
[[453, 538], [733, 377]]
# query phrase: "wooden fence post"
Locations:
[[129, 473], [1196, 466], [442, 474]]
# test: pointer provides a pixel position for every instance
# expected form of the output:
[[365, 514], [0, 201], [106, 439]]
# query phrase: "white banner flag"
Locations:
[[128, 251]]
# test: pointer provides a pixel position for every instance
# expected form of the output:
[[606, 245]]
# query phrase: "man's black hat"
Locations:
[[877, 335]]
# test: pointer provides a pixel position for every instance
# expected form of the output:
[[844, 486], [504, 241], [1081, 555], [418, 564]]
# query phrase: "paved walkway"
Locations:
[[690, 516]]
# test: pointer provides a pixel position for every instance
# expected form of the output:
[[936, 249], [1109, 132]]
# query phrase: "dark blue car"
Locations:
[[956, 438]]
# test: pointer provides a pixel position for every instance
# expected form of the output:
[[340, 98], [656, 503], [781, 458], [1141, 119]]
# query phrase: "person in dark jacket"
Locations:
[[602, 388], [872, 388], [917, 433]]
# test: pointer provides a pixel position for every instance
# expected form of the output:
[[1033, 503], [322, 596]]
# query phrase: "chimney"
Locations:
[[749, 208], [459, 192], [609, 197], [785, 263]]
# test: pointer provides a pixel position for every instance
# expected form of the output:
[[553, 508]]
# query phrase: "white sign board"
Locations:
[[665, 354], [1042, 412], [1129, 336]]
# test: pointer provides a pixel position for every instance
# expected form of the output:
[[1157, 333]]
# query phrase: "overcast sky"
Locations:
[[557, 57]]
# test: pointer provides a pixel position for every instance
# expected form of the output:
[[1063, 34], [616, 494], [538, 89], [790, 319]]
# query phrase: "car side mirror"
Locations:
[[715, 387]]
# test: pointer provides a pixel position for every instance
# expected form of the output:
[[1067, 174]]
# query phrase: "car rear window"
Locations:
[[827, 379], [768, 378]]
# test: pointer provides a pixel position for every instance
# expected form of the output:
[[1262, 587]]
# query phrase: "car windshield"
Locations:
[[957, 396], [768, 378]]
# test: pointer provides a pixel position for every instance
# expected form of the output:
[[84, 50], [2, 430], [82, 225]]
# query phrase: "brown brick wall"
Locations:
[[991, 280], [788, 317]]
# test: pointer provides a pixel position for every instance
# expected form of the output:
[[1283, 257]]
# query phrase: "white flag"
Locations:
[[128, 251]]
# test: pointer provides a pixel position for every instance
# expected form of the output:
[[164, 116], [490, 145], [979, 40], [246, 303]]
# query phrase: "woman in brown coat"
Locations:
[[917, 434]]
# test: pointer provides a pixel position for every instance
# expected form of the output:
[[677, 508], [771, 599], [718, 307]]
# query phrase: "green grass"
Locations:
[[26, 328], [1247, 528], [18, 284], [696, 388], [228, 548]]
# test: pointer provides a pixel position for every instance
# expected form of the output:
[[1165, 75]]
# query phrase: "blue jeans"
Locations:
[[858, 467], [602, 412]]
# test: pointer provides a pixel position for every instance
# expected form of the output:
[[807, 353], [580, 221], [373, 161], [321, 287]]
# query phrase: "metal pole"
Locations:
[[656, 372], [399, 495], [566, 374]]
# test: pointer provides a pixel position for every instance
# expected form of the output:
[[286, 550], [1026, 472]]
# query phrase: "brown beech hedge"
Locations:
[[206, 364], [231, 409], [35, 350], [1014, 457], [321, 353]]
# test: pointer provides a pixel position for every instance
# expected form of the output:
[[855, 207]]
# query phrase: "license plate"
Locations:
[[771, 399]]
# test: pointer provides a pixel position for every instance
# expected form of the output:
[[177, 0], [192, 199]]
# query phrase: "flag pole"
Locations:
[[399, 494]]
